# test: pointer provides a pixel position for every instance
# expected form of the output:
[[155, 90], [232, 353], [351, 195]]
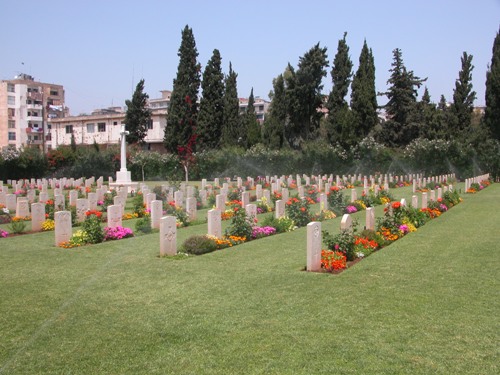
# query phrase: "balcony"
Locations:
[[35, 96]]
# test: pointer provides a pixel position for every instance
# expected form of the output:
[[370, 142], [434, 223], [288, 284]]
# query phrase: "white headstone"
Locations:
[[168, 236], [114, 216], [251, 210], [82, 206], [73, 196], [62, 229], [214, 223], [424, 200], [314, 242], [179, 198], [414, 201], [370, 218], [346, 223], [22, 208], [279, 209], [37, 216], [156, 213], [10, 202], [191, 208]]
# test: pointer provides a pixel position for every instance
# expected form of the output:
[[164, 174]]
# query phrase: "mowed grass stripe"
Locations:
[[425, 304]]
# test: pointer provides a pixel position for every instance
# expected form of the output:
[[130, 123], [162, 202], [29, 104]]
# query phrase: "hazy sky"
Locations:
[[99, 49]]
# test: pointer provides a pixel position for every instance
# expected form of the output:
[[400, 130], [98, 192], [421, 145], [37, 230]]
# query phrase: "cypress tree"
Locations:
[[210, 117], [364, 95], [231, 131], [138, 115], [463, 98], [273, 132], [303, 92], [339, 116], [492, 95], [402, 95], [251, 123], [180, 132]]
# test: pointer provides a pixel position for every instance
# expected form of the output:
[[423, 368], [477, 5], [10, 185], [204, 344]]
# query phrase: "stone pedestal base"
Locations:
[[123, 178]]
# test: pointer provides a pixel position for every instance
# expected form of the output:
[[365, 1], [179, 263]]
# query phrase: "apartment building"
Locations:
[[261, 107], [26, 106], [103, 126]]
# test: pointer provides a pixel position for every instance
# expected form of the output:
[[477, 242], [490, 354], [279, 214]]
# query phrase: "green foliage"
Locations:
[[231, 131], [340, 119], [250, 123], [273, 132], [241, 225], [210, 117], [24, 163], [343, 241], [303, 93], [182, 113], [138, 205], [364, 95], [282, 225], [198, 245], [138, 115], [92, 227], [492, 96], [463, 99], [143, 225], [337, 201], [298, 210], [17, 226], [402, 95]]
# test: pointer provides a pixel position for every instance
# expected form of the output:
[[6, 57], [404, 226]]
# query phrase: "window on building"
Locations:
[[54, 92], [115, 122], [11, 112], [261, 108], [12, 124], [11, 100], [101, 127], [35, 137], [69, 129], [12, 136], [48, 137], [49, 126], [11, 87], [90, 128], [150, 124]]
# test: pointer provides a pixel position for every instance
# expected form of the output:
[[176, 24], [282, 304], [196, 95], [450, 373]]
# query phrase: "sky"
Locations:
[[100, 49]]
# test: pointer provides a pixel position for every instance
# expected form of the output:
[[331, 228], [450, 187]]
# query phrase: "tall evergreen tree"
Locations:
[[425, 118], [463, 98], [339, 116], [231, 131], [303, 91], [492, 96], [252, 126], [364, 95], [273, 132], [180, 132], [210, 117], [138, 115], [402, 95]]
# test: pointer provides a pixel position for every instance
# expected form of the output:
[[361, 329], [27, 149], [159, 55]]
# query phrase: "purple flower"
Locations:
[[351, 209], [3, 234], [262, 231], [404, 228], [117, 233], [443, 208]]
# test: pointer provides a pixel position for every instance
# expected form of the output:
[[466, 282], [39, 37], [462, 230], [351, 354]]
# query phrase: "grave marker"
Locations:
[[314, 242], [168, 236], [62, 229]]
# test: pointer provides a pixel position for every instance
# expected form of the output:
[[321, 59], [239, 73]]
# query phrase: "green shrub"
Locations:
[[17, 226], [282, 225], [92, 226], [198, 245], [143, 225]]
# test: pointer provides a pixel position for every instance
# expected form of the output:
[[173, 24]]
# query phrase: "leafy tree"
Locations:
[[138, 115], [231, 132], [339, 116], [273, 132], [251, 124], [364, 95], [425, 118], [180, 132], [210, 117], [492, 96], [463, 98], [303, 92], [402, 95]]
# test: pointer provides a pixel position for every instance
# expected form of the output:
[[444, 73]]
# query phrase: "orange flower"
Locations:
[[396, 205]]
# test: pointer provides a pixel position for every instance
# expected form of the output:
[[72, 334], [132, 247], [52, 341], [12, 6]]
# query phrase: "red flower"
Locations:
[[396, 205]]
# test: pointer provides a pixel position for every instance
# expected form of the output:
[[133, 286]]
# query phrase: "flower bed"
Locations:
[[397, 222]]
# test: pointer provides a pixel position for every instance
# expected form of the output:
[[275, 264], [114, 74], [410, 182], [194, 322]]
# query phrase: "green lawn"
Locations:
[[427, 304]]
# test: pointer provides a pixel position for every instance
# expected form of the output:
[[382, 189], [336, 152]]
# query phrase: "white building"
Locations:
[[26, 106]]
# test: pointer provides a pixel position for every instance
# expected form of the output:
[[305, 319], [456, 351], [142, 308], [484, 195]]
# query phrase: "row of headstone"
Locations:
[[476, 179]]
